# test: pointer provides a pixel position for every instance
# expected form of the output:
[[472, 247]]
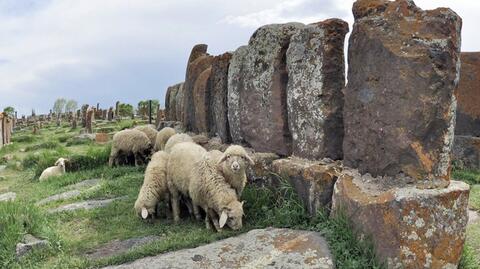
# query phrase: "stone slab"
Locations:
[[266, 248], [468, 95], [9, 196], [28, 244], [86, 205], [118, 247]]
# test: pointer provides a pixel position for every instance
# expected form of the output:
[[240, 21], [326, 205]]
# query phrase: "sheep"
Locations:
[[176, 139], [57, 170], [162, 138], [181, 161], [232, 165], [154, 188], [150, 131], [127, 143], [209, 190]]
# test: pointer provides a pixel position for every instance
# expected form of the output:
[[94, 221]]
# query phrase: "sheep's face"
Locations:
[[234, 212], [60, 162], [235, 163]]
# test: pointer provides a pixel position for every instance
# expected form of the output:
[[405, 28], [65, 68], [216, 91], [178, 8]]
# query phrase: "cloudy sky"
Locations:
[[129, 50]]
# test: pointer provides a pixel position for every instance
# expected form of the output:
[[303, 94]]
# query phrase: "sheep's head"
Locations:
[[235, 158], [61, 162], [232, 215]]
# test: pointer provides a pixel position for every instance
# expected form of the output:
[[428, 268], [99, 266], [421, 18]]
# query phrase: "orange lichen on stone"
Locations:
[[424, 157]]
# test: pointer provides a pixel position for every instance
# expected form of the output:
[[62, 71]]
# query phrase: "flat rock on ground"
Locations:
[[91, 204], [473, 217], [84, 184], [9, 196], [265, 248], [118, 247], [77, 191], [28, 244], [2, 167]]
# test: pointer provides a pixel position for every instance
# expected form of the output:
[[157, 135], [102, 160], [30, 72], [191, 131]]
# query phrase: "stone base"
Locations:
[[466, 152], [410, 227], [312, 180]]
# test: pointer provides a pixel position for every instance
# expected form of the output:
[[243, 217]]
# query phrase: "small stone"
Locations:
[[9, 196], [29, 244], [265, 248], [2, 167], [86, 205], [473, 217], [118, 247]]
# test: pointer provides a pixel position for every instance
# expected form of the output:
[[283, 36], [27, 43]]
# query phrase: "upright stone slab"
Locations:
[[167, 103], [263, 95], [399, 111], [198, 62], [170, 104], [235, 86], [468, 95], [179, 99], [201, 96], [316, 78], [218, 85]]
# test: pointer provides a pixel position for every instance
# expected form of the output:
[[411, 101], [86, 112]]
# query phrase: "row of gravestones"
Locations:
[[285, 91]]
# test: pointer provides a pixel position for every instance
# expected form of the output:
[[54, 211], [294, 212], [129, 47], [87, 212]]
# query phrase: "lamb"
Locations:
[[57, 170], [209, 190], [232, 165], [176, 139], [150, 131], [162, 138], [154, 188], [181, 161], [127, 143]]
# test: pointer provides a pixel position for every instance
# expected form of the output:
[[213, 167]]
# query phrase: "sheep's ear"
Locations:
[[250, 160], [144, 213], [242, 202], [224, 157], [223, 218]]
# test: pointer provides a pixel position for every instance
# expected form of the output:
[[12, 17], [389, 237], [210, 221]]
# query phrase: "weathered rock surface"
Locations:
[[179, 99], [29, 244], [466, 152], [60, 196], [201, 97], [468, 95], [409, 227], [86, 205], [170, 102], [235, 87], [118, 247], [84, 184], [218, 85], [267, 248], [9, 196], [198, 62], [473, 217], [262, 89], [260, 174], [316, 78], [312, 180], [399, 112]]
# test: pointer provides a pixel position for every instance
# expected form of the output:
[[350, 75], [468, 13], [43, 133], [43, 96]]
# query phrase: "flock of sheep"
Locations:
[[180, 171]]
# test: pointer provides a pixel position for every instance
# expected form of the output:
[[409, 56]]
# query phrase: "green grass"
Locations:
[[469, 176], [53, 145]]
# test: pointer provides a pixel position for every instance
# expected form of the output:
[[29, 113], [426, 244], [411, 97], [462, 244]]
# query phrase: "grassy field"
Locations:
[[73, 234]]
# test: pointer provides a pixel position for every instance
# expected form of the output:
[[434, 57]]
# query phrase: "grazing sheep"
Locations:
[[232, 165], [127, 143], [154, 188], [162, 138], [57, 170], [150, 131], [176, 139], [181, 161], [209, 190]]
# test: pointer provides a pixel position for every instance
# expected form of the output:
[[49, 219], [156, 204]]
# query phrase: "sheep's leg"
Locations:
[[137, 158], [213, 217], [196, 211], [207, 222], [168, 212], [113, 157], [175, 205]]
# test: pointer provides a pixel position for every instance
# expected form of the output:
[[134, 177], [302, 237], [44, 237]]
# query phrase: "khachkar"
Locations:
[[399, 117]]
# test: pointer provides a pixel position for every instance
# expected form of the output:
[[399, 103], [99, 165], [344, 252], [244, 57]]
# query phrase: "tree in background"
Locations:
[[59, 106], [125, 110], [142, 108], [71, 106], [9, 111]]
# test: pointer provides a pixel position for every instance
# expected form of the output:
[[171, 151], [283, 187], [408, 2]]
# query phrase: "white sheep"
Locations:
[[209, 190], [57, 170], [154, 188], [181, 161], [127, 143], [232, 164], [176, 139], [162, 138], [150, 131]]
